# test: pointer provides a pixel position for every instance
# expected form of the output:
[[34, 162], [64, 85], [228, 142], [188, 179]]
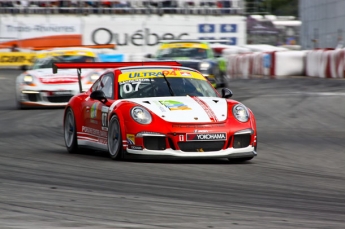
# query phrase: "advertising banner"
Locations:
[[131, 33], [39, 30], [141, 33], [16, 58]]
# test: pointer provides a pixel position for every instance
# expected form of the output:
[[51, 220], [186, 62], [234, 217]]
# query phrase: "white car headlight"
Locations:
[[141, 115], [94, 77], [204, 65], [240, 112], [28, 79]]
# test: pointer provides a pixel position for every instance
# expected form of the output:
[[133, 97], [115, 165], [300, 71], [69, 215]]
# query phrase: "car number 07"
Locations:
[[128, 87]]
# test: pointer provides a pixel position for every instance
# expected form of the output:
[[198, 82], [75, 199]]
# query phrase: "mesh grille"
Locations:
[[242, 140], [197, 146], [154, 143], [59, 99], [32, 97]]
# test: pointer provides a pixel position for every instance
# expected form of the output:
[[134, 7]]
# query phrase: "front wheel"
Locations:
[[70, 132], [114, 139]]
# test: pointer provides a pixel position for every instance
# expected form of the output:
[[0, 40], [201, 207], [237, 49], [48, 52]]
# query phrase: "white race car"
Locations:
[[39, 87]]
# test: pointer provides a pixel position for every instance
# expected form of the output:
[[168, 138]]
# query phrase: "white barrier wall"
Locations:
[[273, 64], [289, 63]]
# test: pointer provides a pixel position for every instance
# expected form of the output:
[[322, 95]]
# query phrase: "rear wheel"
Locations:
[[114, 139], [70, 132]]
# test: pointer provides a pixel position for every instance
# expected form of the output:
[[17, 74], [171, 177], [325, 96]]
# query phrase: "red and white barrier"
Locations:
[[273, 64], [325, 63]]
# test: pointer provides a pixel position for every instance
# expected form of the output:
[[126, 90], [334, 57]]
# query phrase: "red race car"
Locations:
[[157, 109]]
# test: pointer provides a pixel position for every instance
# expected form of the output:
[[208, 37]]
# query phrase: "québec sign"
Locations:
[[138, 38]]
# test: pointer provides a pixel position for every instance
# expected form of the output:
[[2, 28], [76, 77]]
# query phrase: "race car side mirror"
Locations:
[[226, 93], [149, 55], [98, 95]]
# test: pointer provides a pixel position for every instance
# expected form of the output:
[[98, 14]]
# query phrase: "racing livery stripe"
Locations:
[[207, 109]]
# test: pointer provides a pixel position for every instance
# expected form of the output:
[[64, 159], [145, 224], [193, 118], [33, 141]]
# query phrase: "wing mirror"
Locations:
[[226, 93], [98, 95], [149, 55]]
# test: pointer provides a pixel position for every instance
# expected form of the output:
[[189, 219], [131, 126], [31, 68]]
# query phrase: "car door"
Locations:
[[100, 120]]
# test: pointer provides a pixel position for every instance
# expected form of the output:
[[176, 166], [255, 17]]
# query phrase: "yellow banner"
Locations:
[[17, 58], [154, 73]]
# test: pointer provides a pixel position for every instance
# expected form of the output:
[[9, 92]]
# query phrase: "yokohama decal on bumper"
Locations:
[[207, 137]]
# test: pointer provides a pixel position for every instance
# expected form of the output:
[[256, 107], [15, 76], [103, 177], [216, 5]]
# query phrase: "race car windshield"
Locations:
[[47, 62], [182, 52], [157, 87]]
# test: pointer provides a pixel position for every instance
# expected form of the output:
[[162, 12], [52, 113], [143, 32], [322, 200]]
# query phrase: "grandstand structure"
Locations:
[[85, 7]]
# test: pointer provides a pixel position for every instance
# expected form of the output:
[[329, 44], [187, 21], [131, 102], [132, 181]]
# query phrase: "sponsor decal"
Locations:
[[130, 139], [105, 123], [140, 76], [58, 80], [206, 137], [93, 131], [135, 147], [139, 38], [207, 109], [174, 105], [162, 108], [200, 131], [93, 110]]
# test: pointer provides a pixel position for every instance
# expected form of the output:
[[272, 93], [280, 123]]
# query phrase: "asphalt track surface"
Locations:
[[296, 181]]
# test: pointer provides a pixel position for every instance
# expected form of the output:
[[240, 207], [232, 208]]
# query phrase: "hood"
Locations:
[[186, 109], [46, 75]]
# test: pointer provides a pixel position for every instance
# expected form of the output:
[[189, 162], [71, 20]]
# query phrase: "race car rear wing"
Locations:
[[80, 65]]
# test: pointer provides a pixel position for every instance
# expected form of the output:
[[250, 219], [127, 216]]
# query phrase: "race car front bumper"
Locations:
[[226, 153]]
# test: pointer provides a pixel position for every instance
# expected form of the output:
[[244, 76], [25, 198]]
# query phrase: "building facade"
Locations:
[[323, 23]]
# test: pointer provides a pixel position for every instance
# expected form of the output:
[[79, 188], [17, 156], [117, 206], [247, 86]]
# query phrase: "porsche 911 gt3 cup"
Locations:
[[39, 87], [151, 109]]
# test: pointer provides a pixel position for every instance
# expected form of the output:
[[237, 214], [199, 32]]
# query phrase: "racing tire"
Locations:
[[115, 149], [70, 132]]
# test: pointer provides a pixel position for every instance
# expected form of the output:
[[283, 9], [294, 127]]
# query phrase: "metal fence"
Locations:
[[191, 7]]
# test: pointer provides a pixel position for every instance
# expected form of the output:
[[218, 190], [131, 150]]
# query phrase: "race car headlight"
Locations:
[[204, 65], [28, 79], [94, 77], [141, 115], [241, 113]]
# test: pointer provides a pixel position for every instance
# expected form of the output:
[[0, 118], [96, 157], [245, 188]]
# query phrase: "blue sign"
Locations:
[[207, 28], [267, 61], [228, 28]]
